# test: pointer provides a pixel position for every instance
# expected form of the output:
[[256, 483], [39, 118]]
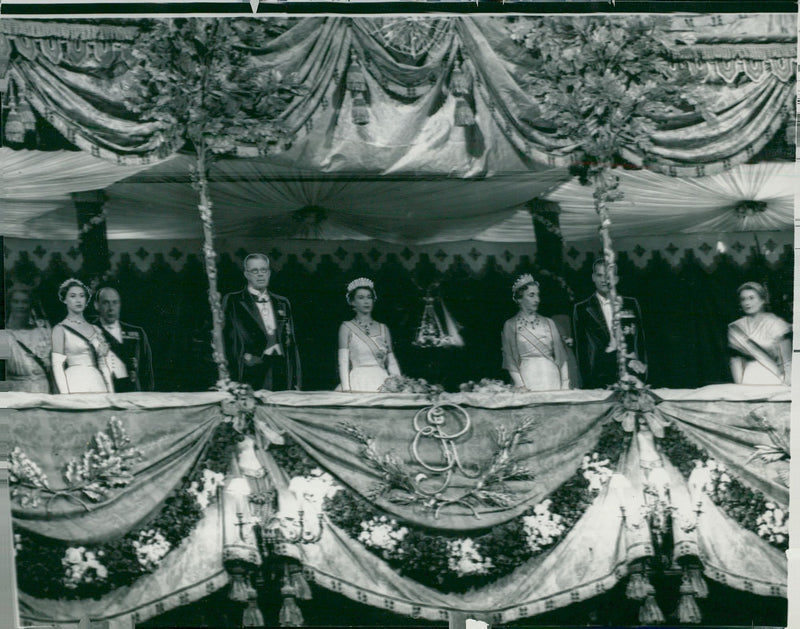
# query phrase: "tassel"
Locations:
[[650, 613], [15, 130], [360, 110], [290, 614], [460, 81], [27, 117], [699, 587], [688, 611], [464, 116], [638, 587], [355, 76], [240, 589], [303, 592], [252, 616]]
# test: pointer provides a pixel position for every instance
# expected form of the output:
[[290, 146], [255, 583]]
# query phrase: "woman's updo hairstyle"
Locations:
[[361, 282], [521, 285], [66, 285], [759, 289]]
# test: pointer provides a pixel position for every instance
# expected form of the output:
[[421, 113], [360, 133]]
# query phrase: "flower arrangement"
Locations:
[[315, 486], [773, 524], [486, 385], [464, 558], [748, 507], [151, 547], [543, 527], [403, 384], [240, 408], [383, 535], [456, 564], [82, 566], [206, 488], [50, 568]]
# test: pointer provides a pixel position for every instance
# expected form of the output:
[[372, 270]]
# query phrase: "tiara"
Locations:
[[73, 281], [523, 280], [361, 282]]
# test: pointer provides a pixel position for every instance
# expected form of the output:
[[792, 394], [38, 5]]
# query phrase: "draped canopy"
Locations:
[[411, 173]]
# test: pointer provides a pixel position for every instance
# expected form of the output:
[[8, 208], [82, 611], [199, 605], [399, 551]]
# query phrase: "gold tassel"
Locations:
[[252, 616], [650, 613], [699, 587], [355, 76], [27, 117], [241, 590], [464, 116], [688, 611], [301, 588], [360, 110], [15, 130], [460, 81], [638, 587], [290, 614]]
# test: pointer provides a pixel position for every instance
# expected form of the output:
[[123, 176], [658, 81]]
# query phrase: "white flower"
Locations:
[[151, 547], [464, 558], [383, 534], [315, 488], [596, 471], [773, 524], [210, 481], [543, 527], [81, 566]]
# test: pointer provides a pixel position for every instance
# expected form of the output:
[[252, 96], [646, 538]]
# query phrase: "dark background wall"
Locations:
[[686, 308]]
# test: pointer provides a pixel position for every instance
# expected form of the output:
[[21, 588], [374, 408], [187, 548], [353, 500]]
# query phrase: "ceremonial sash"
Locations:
[[741, 342], [378, 352], [534, 340], [88, 342], [48, 374]]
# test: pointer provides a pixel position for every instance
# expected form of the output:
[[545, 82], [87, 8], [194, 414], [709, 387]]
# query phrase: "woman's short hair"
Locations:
[[759, 289], [65, 286]]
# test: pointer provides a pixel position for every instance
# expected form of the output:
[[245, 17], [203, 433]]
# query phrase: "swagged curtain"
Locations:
[[589, 560], [75, 77]]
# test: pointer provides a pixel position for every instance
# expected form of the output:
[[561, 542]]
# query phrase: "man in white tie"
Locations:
[[595, 345], [259, 332], [129, 358]]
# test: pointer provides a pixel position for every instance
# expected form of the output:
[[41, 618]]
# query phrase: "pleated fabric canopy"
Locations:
[[260, 198]]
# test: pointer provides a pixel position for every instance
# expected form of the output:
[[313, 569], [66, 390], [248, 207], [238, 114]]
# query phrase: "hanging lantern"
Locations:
[[460, 81], [431, 331], [14, 128], [355, 76], [360, 110], [464, 116]]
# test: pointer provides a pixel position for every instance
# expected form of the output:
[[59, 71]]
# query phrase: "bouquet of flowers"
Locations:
[[383, 534], [82, 566], [403, 384], [465, 559], [542, 528], [486, 385]]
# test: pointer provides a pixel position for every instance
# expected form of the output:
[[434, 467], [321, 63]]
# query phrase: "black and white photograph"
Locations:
[[367, 318]]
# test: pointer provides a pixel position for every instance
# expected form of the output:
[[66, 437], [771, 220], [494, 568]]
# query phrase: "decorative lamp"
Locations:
[[360, 110], [750, 208]]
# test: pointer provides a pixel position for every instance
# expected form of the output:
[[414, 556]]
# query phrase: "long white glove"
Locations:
[[344, 369], [58, 372], [392, 365]]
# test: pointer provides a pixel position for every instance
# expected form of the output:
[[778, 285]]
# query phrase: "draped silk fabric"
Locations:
[[589, 560]]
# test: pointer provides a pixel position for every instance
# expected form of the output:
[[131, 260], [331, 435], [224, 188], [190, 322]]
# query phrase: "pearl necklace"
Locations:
[[364, 325]]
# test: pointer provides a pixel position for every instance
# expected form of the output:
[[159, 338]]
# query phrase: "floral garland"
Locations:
[[404, 384], [50, 568], [456, 563], [749, 508]]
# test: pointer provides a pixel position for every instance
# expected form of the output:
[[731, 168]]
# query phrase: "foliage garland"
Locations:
[[746, 506], [426, 556], [40, 560]]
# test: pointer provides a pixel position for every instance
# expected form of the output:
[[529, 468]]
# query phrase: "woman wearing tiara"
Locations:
[[79, 351], [365, 346], [533, 352], [28, 367], [760, 341]]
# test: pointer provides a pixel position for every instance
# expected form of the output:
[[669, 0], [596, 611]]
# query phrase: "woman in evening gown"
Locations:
[[760, 341], [28, 366], [533, 351], [79, 350], [366, 358]]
